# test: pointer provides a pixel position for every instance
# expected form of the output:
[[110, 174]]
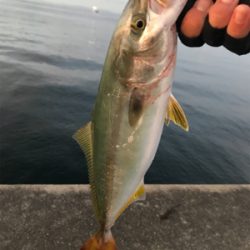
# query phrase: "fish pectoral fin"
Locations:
[[139, 194], [83, 137], [176, 114], [136, 107]]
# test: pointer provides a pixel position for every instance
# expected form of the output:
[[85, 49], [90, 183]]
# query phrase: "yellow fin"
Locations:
[[100, 241], [176, 114], [84, 138], [139, 194]]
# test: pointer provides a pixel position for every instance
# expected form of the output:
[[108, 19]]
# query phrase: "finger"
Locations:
[[239, 25], [220, 13], [193, 22]]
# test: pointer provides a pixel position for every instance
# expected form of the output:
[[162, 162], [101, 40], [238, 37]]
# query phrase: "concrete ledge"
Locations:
[[172, 218]]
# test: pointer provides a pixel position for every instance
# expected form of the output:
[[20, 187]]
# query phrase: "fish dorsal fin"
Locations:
[[83, 137], [176, 114], [139, 194]]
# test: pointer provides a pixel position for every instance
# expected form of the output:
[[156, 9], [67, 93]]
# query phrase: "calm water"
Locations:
[[51, 58]]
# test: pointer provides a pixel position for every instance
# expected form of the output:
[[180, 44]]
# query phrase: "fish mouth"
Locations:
[[158, 6]]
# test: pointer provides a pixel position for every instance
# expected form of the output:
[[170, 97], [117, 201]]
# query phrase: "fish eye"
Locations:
[[138, 24]]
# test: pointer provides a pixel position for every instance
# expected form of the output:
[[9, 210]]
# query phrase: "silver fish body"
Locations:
[[131, 104]]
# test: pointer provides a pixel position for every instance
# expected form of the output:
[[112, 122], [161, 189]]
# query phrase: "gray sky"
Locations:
[[110, 5]]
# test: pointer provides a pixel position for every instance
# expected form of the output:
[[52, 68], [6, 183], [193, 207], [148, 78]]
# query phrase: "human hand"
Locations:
[[225, 22]]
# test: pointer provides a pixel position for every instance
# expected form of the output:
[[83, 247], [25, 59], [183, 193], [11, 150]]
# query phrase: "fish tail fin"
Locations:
[[100, 241]]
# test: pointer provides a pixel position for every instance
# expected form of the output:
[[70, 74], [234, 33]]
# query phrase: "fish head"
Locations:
[[145, 38], [163, 13]]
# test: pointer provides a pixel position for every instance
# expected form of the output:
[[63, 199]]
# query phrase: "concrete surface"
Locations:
[[172, 218]]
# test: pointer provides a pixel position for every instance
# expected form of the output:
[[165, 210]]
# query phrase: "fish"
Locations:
[[133, 103]]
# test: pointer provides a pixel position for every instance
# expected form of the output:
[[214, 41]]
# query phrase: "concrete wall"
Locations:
[[171, 218]]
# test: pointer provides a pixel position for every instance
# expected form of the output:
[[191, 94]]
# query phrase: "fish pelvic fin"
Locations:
[[176, 114], [100, 241]]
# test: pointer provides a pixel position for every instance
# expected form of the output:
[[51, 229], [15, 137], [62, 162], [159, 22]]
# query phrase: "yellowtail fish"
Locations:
[[133, 101]]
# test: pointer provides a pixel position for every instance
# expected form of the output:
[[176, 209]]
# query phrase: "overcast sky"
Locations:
[[110, 5]]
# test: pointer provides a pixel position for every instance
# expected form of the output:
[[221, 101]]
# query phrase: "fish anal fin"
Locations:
[[176, 114], [139, 194]]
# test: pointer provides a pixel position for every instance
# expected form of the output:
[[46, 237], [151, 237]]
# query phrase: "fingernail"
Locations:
[[240, 17], [227, 1], [202, 5]]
